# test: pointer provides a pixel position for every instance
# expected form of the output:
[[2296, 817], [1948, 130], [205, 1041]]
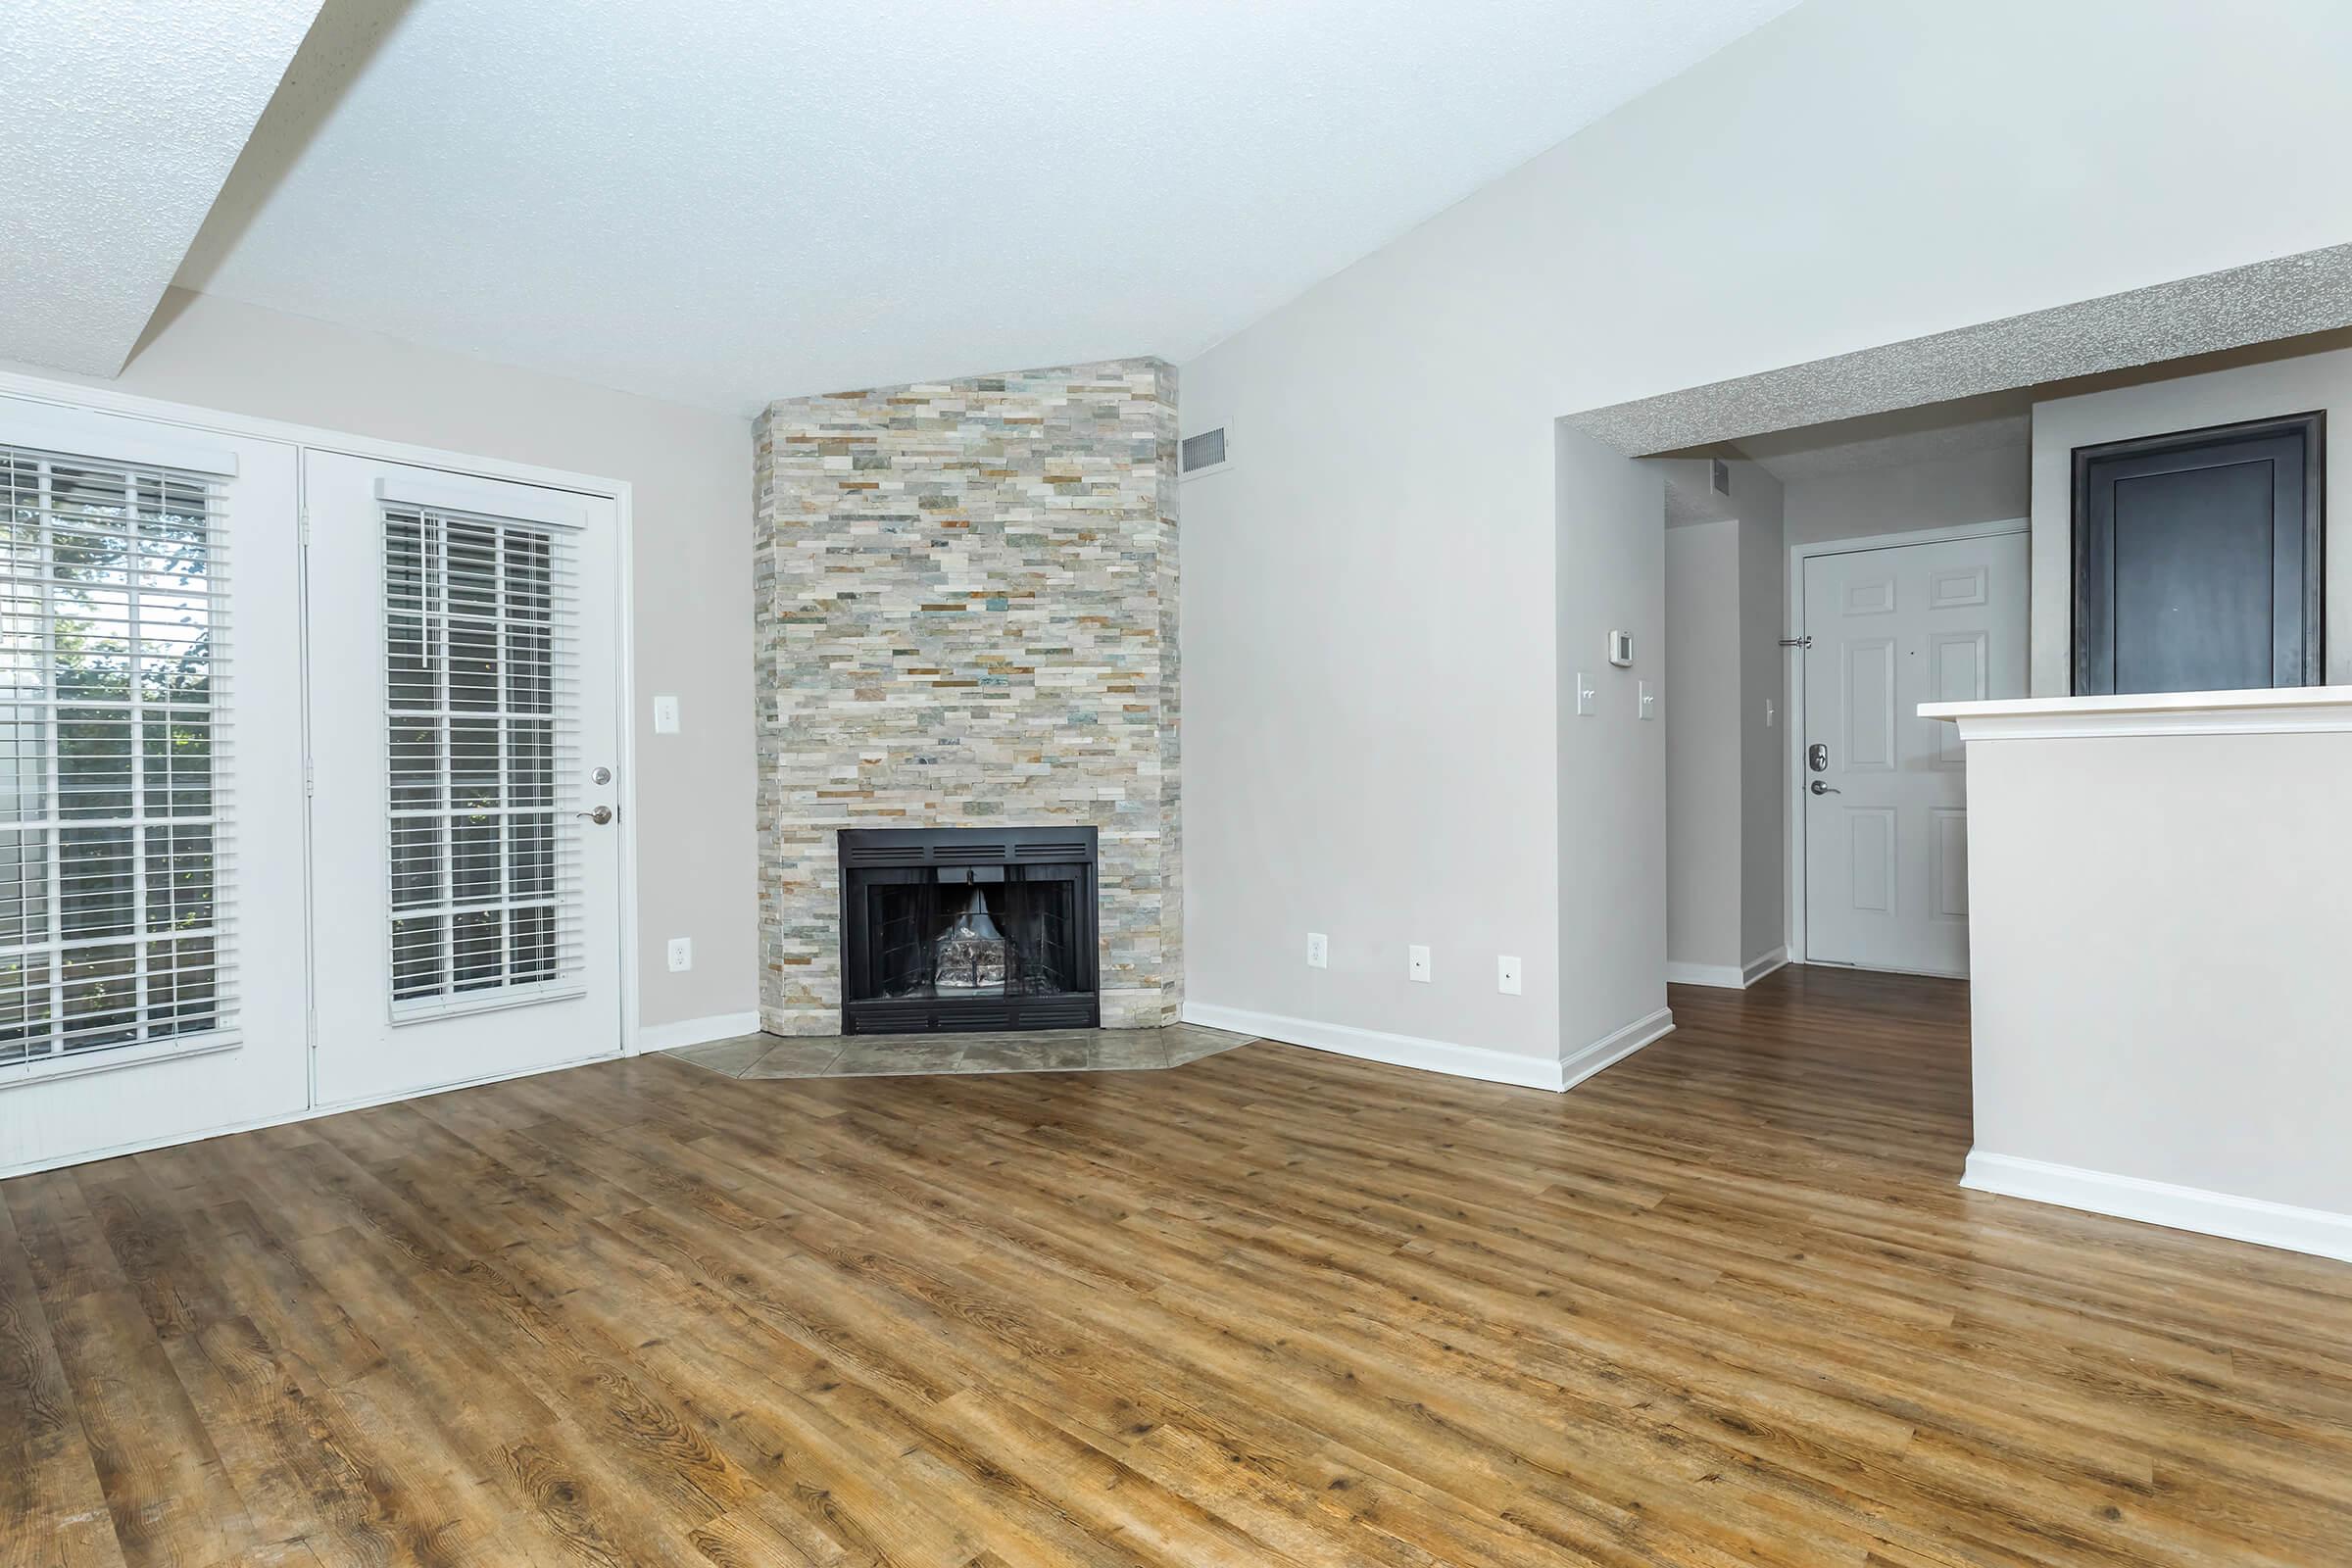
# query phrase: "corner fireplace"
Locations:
[[960, 929]]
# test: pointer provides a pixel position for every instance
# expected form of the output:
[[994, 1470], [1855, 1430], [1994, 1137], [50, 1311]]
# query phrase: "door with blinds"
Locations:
[[464, 745], [151, 831]]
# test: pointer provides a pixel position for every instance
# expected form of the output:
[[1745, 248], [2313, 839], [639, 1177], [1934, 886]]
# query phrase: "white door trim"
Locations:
[[1794, 674], [72, 400]]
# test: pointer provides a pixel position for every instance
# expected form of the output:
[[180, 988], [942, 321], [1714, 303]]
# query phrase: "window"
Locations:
[[114, 848], [478, 668]]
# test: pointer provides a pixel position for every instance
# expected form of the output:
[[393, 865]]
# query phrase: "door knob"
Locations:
[[600, 817], [1819, 788]]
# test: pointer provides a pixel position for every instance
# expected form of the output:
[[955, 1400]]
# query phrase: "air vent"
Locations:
[[886, 855], [1719, 475], [1209, 452], [1058, 1012], [1073, 850], [971, 854]]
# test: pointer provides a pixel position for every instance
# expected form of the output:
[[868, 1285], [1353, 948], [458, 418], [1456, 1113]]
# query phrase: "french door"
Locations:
[[465, 739]]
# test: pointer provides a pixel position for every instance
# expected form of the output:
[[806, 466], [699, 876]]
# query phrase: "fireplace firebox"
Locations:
[[958, 929]]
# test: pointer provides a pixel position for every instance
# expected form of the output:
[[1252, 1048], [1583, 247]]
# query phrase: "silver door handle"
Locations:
[[1819, 788], [600, 817]]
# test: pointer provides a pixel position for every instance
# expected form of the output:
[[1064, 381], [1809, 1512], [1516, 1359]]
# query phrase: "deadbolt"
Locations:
[[1817, 756], [601, 775]]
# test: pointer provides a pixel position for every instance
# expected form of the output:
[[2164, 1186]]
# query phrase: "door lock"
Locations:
[[1817, 756], [600, 817]]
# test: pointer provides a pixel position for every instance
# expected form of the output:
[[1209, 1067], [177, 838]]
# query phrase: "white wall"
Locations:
[[1373, 583], [2157, 928], [2295, 386], [1703, 778], [691, 470]]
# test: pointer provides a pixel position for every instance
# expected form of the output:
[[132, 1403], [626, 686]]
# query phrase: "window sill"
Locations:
[[49, 1070]]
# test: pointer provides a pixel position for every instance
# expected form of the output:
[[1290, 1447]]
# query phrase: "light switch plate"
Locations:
[[1649, 701], [1318, 950], [1507, 975], [1416, 965], [1586, 699], [666, 716]]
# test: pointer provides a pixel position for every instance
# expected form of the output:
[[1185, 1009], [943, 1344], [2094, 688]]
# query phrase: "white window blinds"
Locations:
[[116, 919], [481, 702]]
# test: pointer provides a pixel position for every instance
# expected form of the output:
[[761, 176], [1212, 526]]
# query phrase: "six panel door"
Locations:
[[1886, 862]]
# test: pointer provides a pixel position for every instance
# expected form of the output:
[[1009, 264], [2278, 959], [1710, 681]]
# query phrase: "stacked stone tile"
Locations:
[[967, 601]]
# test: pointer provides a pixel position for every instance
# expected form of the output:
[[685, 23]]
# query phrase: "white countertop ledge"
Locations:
[[2269, 710]]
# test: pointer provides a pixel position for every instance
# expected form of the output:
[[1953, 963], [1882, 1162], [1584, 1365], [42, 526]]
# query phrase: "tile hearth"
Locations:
[[897, 1055]]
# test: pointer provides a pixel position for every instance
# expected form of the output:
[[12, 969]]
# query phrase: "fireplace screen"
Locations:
[[956, 929]]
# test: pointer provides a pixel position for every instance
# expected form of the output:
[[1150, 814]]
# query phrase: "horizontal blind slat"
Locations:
[[117, 923]]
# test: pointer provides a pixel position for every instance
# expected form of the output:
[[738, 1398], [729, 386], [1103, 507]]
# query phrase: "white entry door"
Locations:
[[465, 732], [1886, 798]]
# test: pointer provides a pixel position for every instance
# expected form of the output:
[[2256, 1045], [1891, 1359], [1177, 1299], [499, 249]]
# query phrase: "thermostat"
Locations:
[[1621, 649]]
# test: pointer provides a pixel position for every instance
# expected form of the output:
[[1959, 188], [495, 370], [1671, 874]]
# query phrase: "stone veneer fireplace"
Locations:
[[966, 618]]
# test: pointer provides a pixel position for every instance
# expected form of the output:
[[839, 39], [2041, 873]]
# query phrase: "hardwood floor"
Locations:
[[1721, 1304]]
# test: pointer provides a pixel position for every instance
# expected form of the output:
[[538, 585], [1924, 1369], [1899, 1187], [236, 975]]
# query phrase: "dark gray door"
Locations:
[[2198, 559]]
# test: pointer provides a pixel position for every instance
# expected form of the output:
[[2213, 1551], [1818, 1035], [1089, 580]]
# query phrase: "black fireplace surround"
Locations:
[[958, 929]]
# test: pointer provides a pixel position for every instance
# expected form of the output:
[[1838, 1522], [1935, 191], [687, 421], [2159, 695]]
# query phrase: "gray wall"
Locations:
[[1989, 486], [1763, 677], [2157, 930], [1726, 827], [1703, 776]]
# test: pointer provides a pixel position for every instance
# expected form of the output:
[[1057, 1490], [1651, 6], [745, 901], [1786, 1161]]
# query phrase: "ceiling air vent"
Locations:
[[1209, 452], [1719, 475]]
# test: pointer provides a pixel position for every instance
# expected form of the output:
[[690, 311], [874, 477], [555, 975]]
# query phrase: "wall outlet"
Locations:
[[1318, 950], [1588, 701], [1507, 975], [1647, 700], [1416, 965], [666, 716], [681, 955]]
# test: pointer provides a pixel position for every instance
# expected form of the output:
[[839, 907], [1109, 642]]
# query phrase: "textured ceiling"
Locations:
[[118, 122], [2265, 301], [728, 201]]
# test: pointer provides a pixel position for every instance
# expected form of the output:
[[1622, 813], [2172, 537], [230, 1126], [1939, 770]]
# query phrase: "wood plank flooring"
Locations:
[[1722, 1304]]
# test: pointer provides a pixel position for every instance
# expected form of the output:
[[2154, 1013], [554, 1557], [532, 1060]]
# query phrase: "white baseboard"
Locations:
[[1724, 974], [1374, 1045], [697, 1031], [1436, 1056], [2316, 1231], [1615, 1047]]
